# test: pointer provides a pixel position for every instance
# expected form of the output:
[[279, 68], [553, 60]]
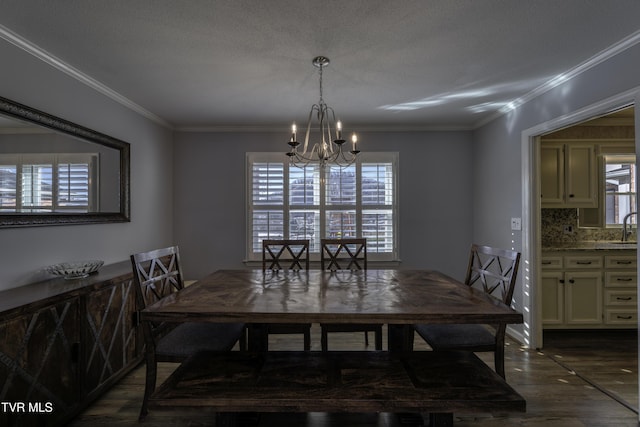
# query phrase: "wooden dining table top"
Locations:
[[316, 296]]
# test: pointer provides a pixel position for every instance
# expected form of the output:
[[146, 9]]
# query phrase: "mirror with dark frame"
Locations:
[[54, 172]]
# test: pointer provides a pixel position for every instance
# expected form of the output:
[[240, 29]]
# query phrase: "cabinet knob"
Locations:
[[561, 280], [571, 195], [572, 281]]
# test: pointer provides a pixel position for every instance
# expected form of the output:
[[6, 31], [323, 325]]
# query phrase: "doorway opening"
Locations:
[[533, 233]]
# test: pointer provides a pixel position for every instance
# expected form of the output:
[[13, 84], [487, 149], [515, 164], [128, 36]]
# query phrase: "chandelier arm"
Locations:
[[331, 114], [308, 132]]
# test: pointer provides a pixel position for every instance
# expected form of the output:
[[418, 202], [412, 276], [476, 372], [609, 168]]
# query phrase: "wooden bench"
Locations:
[[438, 383]]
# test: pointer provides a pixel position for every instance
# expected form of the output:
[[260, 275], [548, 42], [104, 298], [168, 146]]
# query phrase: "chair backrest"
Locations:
[[343, 254], [493, 269], [157, 273], [294, 254]]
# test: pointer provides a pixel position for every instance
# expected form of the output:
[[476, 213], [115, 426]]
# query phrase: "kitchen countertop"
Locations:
[[590, 246]]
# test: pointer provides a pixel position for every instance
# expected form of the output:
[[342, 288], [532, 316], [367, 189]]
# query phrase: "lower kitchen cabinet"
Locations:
[[589, 290], [63, 343], [583, 293], [621, 291], [571, 299]]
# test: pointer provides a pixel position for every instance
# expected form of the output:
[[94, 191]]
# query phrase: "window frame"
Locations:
[[613, 159], [322, 207]]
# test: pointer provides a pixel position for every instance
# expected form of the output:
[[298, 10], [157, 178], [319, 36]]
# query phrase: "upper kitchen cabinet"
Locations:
[[569, 175]]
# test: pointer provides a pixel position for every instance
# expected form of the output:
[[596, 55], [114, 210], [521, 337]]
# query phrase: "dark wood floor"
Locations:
[[607, 360], [578, 379]]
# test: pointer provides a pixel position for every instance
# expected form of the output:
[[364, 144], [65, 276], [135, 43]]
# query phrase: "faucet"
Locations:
[[625, 233]]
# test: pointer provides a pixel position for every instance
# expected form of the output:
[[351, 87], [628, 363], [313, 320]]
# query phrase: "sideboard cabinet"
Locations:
[[65, 342]]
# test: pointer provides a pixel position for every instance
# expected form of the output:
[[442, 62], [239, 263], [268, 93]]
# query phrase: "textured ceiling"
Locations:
[[414, 64]]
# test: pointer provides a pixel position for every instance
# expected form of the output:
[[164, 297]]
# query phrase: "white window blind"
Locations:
[[287, 202]]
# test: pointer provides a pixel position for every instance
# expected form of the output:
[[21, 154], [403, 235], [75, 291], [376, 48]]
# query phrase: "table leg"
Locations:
[[400, 337], [257, 337]]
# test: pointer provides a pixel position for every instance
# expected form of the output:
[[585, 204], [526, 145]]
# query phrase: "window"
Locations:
[[288, 202], [48, 182], [620, 189]]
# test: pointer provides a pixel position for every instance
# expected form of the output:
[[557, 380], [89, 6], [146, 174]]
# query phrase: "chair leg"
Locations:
[[366, 338], [499, 361], [149, 385]]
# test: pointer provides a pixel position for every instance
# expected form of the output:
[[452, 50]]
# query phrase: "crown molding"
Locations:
[[360, 128], [78, 75], [562, 78]]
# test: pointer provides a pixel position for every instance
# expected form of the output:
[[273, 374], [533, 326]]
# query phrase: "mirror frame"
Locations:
[[22, 112]]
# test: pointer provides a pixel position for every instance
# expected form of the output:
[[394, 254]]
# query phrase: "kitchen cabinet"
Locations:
[[589, 290], [569, 175], [65, 342], [620, 291], [572, 298], [583, 298]]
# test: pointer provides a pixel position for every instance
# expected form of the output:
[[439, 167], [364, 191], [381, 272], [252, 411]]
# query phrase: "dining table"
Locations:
[[398, 380], [397, 298]]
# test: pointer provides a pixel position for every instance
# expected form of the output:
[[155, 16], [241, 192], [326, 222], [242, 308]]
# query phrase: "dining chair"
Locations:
[[346, 254], [157, 274], [494, 271], [286, 254]]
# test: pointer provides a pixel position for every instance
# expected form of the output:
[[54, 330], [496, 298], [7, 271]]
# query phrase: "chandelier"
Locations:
[[326, 150]]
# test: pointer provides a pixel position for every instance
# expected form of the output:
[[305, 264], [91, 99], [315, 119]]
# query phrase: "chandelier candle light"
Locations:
[[327, 150]]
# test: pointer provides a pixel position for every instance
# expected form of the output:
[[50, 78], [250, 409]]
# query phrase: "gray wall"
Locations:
[[435, 196], [24, 251]]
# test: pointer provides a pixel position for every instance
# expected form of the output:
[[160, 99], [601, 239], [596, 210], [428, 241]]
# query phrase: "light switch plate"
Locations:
[[516, 224]]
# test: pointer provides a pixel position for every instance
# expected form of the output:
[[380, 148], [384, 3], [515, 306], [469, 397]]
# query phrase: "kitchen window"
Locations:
[[288, 202], [48, 182], [619, 189]]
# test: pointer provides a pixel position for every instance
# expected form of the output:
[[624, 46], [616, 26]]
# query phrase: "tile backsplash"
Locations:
[[554, 221]]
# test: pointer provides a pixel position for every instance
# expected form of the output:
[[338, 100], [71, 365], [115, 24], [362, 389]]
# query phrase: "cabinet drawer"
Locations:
[[620, 297], [582, 261], [620, 279], [620, 261], [621, 317], [551, 262]]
